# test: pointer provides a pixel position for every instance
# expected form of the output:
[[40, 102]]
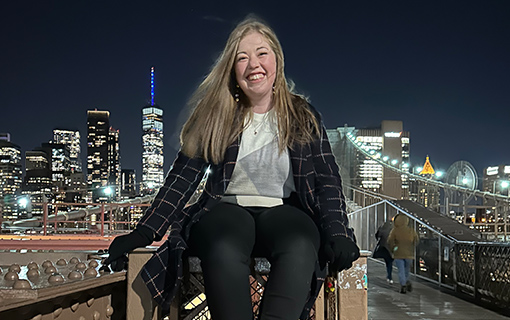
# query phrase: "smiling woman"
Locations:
[[273, 190], [255, 70]]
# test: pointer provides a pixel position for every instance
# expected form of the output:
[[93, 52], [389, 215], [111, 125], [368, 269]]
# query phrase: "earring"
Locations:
[[274, 91], [236, 94]]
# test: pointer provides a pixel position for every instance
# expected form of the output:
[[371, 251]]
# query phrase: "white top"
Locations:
[[262, 177]]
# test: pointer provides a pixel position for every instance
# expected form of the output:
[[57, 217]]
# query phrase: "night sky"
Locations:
[[442, 67]]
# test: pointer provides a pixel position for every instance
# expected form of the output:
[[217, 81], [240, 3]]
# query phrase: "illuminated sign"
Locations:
[[507, 169], [492, 171], [392, 134]]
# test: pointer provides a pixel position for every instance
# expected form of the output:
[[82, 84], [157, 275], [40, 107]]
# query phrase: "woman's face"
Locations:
[[255, 67]]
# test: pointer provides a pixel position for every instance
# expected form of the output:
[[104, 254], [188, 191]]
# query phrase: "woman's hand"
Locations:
[[122, 245], [341, 252]]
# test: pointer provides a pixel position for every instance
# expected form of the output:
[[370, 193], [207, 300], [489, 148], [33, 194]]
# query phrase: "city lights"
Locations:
[[108, 191], [23, 202]]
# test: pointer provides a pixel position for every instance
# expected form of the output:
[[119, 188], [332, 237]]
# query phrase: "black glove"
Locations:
[[121, 245], [341, 252]]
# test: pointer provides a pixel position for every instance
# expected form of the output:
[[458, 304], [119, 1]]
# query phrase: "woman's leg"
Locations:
[[401, 271], [223, 239], [290, 240], [408, 269], [389, 267]]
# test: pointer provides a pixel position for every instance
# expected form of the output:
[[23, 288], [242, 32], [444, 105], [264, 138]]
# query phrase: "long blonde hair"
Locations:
[[217, 119]]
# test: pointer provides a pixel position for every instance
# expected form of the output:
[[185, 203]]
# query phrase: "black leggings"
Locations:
[[228, 236]]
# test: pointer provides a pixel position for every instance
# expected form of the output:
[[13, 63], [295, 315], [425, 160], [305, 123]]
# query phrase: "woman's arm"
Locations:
[[328, 185], [180, 183]]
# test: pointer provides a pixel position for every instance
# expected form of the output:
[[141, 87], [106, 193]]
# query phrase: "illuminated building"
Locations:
[[496, 179], [128, 183], [114, 162], [98, 129], [10, 177], [390, 142], [37, 184], [70, 138], [103, 157], [427, 194], [60, 166], [152, 143]]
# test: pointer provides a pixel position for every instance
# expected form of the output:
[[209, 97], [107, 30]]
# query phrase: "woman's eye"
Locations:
[[241, 59], [262, 53]]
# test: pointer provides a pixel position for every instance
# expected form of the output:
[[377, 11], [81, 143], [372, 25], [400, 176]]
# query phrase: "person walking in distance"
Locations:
[[382, 249], [402, 241]]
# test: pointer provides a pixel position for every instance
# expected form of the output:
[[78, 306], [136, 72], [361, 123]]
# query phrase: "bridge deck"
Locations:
[[426, 301]]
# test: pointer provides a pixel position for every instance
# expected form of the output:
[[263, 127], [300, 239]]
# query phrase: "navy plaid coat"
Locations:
[[318, 192]]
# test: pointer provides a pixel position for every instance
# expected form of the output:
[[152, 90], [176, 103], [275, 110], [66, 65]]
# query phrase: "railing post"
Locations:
[[45, 218], [476, 273], [368, 229], [455, 266], [110, 224], [415, 250], [56, 221], [439, 260], [102, 219], [376, 219]]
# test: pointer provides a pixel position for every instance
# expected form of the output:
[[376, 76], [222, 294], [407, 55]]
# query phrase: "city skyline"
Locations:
[[441, 68]]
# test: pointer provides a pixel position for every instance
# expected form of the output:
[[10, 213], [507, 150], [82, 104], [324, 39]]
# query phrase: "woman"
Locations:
[[273, 190], [382, 250], [402, 241]]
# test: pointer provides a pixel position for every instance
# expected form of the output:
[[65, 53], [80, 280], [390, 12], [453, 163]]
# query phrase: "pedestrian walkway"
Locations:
[[426, 301]]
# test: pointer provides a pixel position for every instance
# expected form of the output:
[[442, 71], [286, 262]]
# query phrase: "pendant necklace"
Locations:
[[259, 125]]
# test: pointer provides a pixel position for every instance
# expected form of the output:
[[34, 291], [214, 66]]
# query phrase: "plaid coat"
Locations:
[[318, 192]]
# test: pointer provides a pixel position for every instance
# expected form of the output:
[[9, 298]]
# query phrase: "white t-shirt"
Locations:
[[262, 177]]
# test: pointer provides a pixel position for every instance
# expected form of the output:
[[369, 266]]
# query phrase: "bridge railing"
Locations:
[[78, 218], [483, 272], [434, 253], [480, 270]]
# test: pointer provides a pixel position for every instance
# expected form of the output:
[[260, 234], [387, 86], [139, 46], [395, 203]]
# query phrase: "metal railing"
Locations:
[[79, 218], [483, 272], [480, 270]]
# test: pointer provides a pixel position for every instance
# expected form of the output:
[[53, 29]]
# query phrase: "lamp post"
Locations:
[[107, 192]]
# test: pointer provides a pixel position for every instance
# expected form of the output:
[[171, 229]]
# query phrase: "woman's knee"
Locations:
[[295, 250], [225, 253]]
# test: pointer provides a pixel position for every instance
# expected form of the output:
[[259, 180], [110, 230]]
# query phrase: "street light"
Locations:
[[23, 202], [108, 191]]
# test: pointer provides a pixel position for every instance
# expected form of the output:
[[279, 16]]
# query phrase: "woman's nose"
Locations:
[[254, 63]]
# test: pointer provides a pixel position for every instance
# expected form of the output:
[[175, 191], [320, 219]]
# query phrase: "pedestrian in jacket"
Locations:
[[273, 190], [402, 241], [382, 249]]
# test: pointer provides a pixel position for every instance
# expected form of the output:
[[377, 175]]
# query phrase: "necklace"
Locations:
[[259, 125]]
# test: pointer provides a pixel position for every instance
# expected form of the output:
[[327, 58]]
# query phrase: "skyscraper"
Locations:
[[103, 157], [128, 183], [10, 177], [152, 142], [72, 139], [98, 133], [390, 142], [37, 183], [114, 162]]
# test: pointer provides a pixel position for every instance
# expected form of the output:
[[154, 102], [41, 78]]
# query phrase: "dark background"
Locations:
[[442, 67]]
